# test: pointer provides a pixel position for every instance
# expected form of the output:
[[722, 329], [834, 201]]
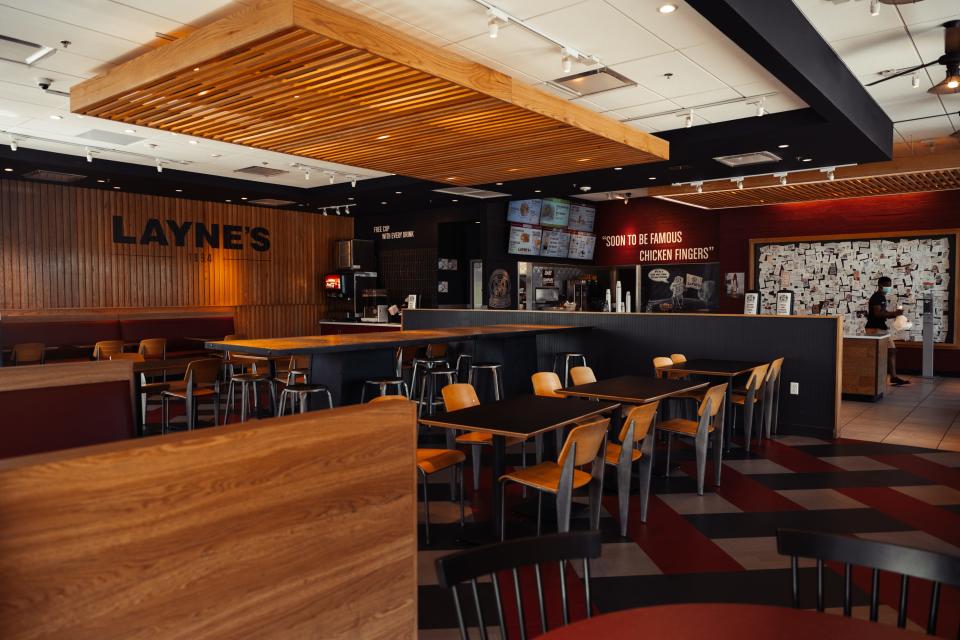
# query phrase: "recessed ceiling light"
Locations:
[[130, 130], [244, 198], [807, 160], [454, 200], [296, 96], [116, 187], [383, 137], [204, 92], [179, 190], [536, 190], [8, 169], [193, 142], [398, 192], [215, 155], [101, 180], [383, 202], [228, 200], [618, 168], [652, 178], [56, 117], [667, 8], [583, 160], [350, 198], [783, 146], [196, 68]]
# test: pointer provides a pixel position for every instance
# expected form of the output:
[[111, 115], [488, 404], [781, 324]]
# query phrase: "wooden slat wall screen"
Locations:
[[286, 529], [57, 255]]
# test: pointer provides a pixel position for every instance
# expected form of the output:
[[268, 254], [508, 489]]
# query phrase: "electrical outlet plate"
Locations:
[[794, 388]]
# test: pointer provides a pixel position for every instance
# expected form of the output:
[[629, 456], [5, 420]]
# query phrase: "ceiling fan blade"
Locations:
[[902, 73], [951, 37]]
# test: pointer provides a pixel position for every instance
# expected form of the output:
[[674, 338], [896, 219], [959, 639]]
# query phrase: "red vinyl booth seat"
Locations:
[[53, 418], [175, 330]]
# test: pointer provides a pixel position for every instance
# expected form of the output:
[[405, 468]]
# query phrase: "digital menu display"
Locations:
[[582, 246], [524, 211], [582, 218], [555, 212], [524, 240], [556, 243]]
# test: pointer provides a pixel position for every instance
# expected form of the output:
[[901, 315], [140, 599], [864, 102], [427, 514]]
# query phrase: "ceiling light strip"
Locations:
[[87, 149]]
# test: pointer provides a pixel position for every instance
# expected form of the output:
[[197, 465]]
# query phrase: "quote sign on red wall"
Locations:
[[657, 246]]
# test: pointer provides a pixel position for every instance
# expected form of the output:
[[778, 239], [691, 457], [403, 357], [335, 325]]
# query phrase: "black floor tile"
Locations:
[[749, 525], [840, 479]]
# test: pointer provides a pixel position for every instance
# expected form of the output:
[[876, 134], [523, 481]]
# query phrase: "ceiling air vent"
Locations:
[[258, 170], [110, 137], [470, 192], [594, 81], [53, 176], [21, 51], [271, 202], [745, 159]]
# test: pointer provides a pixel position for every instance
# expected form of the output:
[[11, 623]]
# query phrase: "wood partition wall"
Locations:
[[286, 529], [71, 251]]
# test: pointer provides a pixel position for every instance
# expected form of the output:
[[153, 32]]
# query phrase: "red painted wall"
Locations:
[[729, 232]]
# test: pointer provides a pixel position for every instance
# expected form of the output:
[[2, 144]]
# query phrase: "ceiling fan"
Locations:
[[950, 59]]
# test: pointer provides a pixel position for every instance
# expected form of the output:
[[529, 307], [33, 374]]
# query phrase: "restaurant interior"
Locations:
[[479, 319]]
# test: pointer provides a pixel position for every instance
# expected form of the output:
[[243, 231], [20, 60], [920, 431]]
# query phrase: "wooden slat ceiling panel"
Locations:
[[303, 93], [938, 180]]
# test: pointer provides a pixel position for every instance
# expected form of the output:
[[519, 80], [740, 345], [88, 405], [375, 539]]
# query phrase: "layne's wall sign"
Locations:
[[653, 246], [193, 234]]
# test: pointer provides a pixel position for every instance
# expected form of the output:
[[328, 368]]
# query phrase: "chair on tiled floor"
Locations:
[[753, 401], [709, 425], [634, 446]]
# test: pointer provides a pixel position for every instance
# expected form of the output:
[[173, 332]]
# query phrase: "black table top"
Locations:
[[521, 416], [632, 389], [710, 367]]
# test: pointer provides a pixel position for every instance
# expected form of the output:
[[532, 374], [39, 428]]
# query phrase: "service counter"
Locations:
[[865, 365]]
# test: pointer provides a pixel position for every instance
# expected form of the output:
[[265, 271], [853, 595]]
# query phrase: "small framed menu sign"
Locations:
[[751, 303], [784, 303]]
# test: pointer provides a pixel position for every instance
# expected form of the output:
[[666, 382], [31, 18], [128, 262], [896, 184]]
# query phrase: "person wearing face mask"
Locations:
[[877, 316]]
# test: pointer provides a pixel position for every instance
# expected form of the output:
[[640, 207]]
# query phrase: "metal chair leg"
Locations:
[[666, 470], [623, 494], [503, 512], [426, 508], [303, 402], [475, 453], [459, 468], [329, 399], [718, 437], [243, 402], [229, 407], [700, 444], [539, 512]]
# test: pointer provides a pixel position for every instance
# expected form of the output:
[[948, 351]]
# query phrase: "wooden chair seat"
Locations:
[[696, 394], [157, 387], [546, 477], [741, 399], [681, 426], [432, 460], [613, 454], [197, 393], [484, 439]]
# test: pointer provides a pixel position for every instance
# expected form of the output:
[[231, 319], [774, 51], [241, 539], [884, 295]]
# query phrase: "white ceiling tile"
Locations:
[[594, 27], [916, 104], [784, 100], [706, 97], [626, 97], [193, 12], [673, 121], [526, 9], [69, 64], [648, 109], [928, 37], [687, 77], [681, 29], [447, 20], [515, 50], [924, 129], [894, 89], [876, 52], [101, 17], [31, 94], [836, 21], [726, 61], [928, 10], [49, 32]]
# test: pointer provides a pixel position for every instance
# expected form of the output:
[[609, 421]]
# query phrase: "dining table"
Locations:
[[719, 621], [523, 417]]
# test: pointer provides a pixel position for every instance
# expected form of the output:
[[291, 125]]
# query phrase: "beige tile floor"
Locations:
[[925, 413]]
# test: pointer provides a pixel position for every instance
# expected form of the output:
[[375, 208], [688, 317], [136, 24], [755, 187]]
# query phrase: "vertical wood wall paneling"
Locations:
[[57, 255]]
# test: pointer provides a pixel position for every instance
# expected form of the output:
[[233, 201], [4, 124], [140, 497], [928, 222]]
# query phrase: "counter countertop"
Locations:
[[354, 323], [860, 336]]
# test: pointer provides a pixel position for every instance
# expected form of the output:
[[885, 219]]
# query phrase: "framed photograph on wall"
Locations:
[[751, 303], [784, 302], [734, 284]]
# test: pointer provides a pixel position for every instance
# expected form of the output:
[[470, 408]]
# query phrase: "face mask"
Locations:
[[887, 289]]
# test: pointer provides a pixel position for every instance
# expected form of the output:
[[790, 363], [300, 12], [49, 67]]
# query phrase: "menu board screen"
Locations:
[[556, 243], [524, 211], [555, 212], [582, 246], [582, 218], [524, 240]]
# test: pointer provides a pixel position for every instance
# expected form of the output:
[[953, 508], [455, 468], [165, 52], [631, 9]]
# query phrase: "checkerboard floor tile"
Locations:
[[721, 547]]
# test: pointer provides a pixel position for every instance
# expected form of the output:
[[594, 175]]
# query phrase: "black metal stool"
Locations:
[[382, 384], [496, 372], [298, 392], [429, 389], [248, 382], [567, 357], [421, 365]]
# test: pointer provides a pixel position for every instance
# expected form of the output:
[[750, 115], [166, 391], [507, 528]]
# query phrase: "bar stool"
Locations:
[[382, 384], [435, 356], [567, 357], [433, 380], [298, 392], [248, 382], [496, 372]]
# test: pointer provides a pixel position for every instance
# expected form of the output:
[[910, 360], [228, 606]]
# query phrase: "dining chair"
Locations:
[[153, 348], [201, 380], [147, 389], [582, 375], [695, 396], [462, 570], [545, 385], [28, 353], [772, 402], [634, 446], [461, 396], [429, 462], [103, 349], [708, 426], [586, 444], [749, 398], [908, 562]]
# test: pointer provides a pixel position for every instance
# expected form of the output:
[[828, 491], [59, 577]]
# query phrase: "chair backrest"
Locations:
[[588, 438], [388, 399], [106, 348], [774, 371], [28, 353], [716, 396], [909, 562], [459, 396], [677, 358], [204, 372], [757, 377], [546, 383], [582, 375], [660, 364], [458, 570], [132, 357], [437, 350], [641, 417], [153, 348]]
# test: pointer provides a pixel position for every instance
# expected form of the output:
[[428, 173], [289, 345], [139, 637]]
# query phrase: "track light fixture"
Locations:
[[13, 143], [333, 177], [159, 166], [738, 182], [915, 81], [761, 106], [830, 171], [874, 7], [698, 185], [87, 154], [353, 181], [783, 178], [689, 121], [495, 20]]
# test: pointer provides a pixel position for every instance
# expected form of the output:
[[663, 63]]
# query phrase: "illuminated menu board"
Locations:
[[556, 243], [555, 212], [582, 218], [524, 211], [582, 246], [524, 240]]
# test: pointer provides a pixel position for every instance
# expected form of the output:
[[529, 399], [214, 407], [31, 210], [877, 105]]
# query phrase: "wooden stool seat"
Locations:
[[432, 460], [682, 426], [546, 477], [613, 453]]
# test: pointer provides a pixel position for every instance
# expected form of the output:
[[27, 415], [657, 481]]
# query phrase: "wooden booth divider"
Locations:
[[284, 528]]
